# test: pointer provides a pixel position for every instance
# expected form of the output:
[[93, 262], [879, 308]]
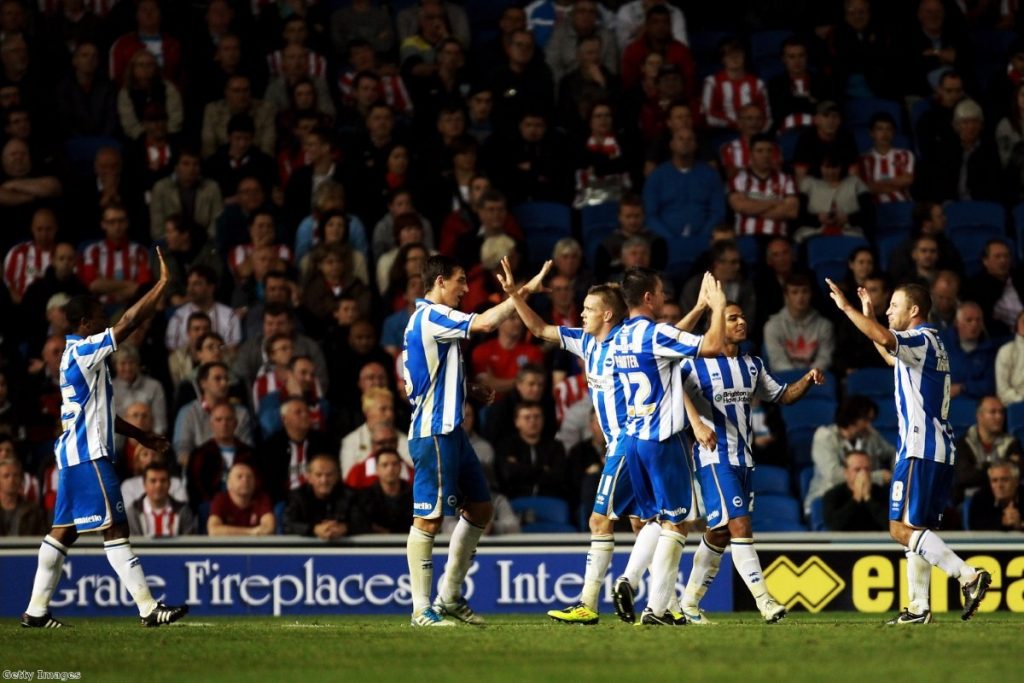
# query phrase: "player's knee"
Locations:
[[431, 526], [65, 535], [718, 537], [739, 528], [479, 514], [600, 524], [637, 524]]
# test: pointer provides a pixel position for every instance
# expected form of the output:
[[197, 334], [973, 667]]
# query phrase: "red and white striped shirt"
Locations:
[[158, 156], [100, 8], [875, 166], [316, 64], [568, 392], [126, 261], [267, 383], [776, 185], [297, 464], [162, 523], [735, 156], [364, 474], [24, 264], [723, 98], [392, 90], [240, 253]]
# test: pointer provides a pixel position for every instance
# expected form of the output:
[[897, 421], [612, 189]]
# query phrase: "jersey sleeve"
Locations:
[[448, 323], [911, 346], [671, 342], [571, 339], [767, 388], [95, 349]]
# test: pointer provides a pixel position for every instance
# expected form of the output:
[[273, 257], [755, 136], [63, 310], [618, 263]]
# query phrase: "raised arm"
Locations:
[[869, 327], [690, 320], [868, 309], [714, 338], [531, 319], [145, 307], [489, 320]]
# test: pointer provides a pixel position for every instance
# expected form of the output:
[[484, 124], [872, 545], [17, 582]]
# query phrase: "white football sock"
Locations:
[[706, 562], [419, 550], [129, 568], [919, 583], [51, 560], [598, 558], [665, 570], [748, 566], [461, 550], [642, 554], [932, 548]]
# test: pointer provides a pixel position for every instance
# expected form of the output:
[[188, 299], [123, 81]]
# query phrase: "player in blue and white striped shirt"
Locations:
[[722, 389], [88, 490], [647, 359], [448, 473], [922, 480]]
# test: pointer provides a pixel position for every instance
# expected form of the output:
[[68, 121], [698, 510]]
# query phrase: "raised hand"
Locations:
[[837, 296], [506, 279], [817, 376], [165, 274], [715, 294], [706, 284], [866, 307], [536, 283]]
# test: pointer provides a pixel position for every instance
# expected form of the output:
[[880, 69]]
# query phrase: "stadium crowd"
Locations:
[[296, 161]]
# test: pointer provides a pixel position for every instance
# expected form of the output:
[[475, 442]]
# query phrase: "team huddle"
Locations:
[[648, 382]]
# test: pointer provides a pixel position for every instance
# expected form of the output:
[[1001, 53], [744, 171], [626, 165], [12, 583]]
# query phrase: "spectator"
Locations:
[[283, 456], [322, 506], [770, 281], [183, 361], [857, 504], [26, 262], [602, 164], [631, 223], [726, 91], [727, 267], [400, 203], [238, 101], [530, 163], [58, 277], [23, 189], [152, 155], [408, 229], [143, 86], [794, 94], [934, 131], [274, 373], [183, 250], [986, 442], [202, 283], [583, 21], [378, 408], [462, 236], [826, 139], [330, 281], [238, 158], [392, 335], [968, 168], [1010, 133], [157, 514], [657, 37], [586, 462], [851, 432], [945, 300], [148, 37], [18, 517], [86, 100], [853, 350], [527, 464], [209, 463], [187, 194], [363, 58], [524, 84], [386, 506], [584, 85], [734, 156], [496, 362], [836, 203], [192, 425], [860, 265], [347, 413], [294, 69], [928, 218], [1010, 366], [300, 381], [934, 48], [763, 198], [364, 473], [250, 356], [115, 267], [864, 54], [241, 510], [303, 184], [888, 171], [630, 20], [996, 507], [131, 385], [972, 354], [798, 336], [362, 20], [683, 197], [998, 288]]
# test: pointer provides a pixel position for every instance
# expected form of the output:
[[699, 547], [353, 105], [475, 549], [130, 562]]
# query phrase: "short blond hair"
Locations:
[[376, 395]]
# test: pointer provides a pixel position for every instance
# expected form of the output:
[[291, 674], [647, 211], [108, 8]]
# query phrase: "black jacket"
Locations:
[[304, 510], [274, 456]]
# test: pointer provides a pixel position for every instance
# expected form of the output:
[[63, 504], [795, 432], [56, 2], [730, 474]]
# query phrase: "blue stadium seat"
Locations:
[[596, 223], [878, 383], [988, 217], [1015, 418], [892, 435], [838, 248], [806, 474], [773, 512], [818, 515], [864, 141], [749, 251], [767, 45], [894, 215], [204, 517], [887, 417], [961, 415], [543, 510], [544, 223], [549, 528], [81, 152], [965, 513], [917, 110], [887, 243], [279, 518], [825, 392], [858, 113], [971, 245], [770, 479], [832, 270], [787, 143], [809, 413], [799, 440]]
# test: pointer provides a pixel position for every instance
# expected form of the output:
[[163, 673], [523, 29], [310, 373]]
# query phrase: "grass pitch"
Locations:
[[523, 648]]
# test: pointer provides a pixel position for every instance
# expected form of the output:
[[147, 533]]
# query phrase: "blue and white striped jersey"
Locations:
[[646, 357], [87, 400], [722, 389], [922, 396], [432, 367], [605, 387]]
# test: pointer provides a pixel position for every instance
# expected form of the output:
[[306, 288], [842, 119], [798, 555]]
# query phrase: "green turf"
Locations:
[[833, 647]]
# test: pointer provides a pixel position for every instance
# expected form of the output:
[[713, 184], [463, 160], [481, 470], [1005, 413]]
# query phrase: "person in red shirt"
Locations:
[[241, 510], [727, 91], [657, 37], [148, 36], [496, 362], [115, 267]]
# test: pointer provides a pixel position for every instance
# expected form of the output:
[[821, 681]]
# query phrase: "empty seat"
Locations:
[[544, 223], [770, 479], [833, 248], [874, 382]]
